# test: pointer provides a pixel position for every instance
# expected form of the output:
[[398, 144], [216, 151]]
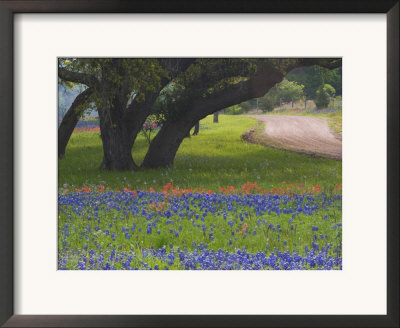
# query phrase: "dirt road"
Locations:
[[302, 134]]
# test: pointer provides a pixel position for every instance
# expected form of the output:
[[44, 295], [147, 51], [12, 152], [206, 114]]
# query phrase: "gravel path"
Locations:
[[302, 134]]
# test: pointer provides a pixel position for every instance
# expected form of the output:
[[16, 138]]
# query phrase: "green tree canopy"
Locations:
[[312, 77], [323, 95]]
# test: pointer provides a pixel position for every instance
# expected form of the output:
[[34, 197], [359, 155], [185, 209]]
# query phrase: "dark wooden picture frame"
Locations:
[[10, 7]]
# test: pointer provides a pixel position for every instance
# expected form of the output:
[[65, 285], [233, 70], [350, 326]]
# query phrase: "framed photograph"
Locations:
[[219, 164]]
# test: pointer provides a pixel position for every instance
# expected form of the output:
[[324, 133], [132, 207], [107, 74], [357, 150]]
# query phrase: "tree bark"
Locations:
[[215, 118], [116, 142], [196, 128], [166, 143], [116, 150], [114, 130], [70, 120]]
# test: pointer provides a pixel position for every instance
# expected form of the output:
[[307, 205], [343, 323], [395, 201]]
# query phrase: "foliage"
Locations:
[[330, 90], [115, 76], [323, 95], [289, 90], [268, 102], [247, 105], [334, 78], [284, 91], [234, 110], [313, 76]]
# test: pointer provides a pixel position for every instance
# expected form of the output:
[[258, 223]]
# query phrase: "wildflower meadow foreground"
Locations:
[[291, 227]]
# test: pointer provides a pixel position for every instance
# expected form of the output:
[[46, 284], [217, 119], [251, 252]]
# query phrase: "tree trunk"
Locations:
[[164, 146], [65, 130], [196, 128], [215, 119], [70, 120], [116, 142], [120, 123], [117, 152]]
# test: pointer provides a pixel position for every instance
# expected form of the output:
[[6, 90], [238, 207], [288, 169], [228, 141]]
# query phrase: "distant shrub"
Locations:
[[330, 90], [246, 106], [267, 103], [323, 95], [234, 110]]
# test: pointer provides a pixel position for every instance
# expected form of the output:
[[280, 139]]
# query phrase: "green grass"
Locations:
[[334, 120], [217, 157]]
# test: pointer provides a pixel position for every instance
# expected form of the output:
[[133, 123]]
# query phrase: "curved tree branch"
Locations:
[[164, 146], [77, 77], [70, 120]]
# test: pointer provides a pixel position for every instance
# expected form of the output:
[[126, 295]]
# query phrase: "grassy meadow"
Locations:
[[226, 204], [217, 157]]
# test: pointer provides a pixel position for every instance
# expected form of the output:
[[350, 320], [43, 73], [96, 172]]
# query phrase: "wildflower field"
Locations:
[[226, 205]]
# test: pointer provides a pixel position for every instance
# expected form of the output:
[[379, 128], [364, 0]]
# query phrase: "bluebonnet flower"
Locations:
[[182, 210], [149, 229]]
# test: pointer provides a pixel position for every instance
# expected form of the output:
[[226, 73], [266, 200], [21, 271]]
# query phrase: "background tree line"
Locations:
[[301, 84]]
